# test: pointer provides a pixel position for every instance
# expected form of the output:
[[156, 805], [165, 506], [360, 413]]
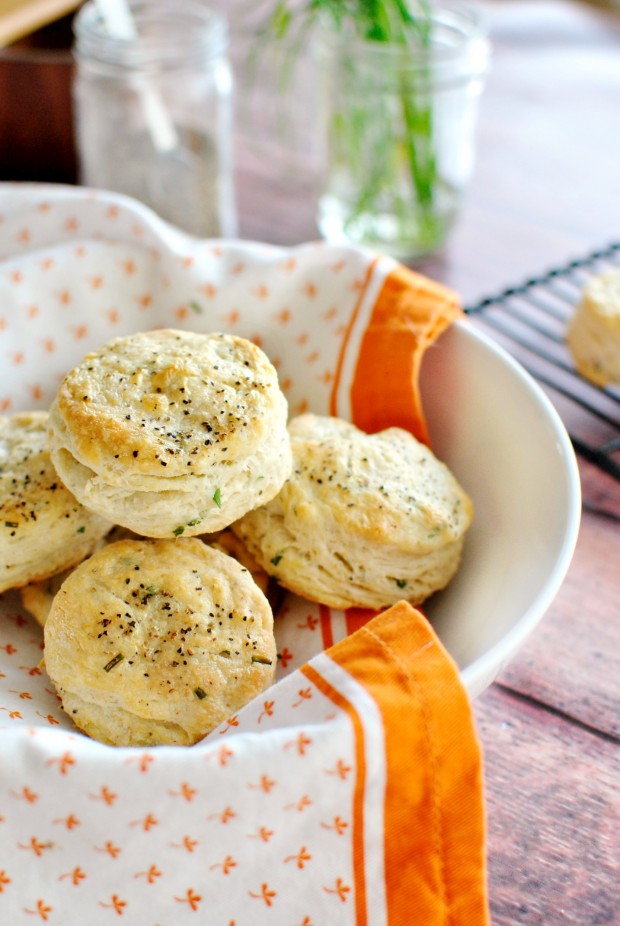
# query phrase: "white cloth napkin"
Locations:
[[279, 815]]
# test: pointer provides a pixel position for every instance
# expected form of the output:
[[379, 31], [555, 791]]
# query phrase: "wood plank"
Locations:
[[601, 494], [553, 816], [572, 660]]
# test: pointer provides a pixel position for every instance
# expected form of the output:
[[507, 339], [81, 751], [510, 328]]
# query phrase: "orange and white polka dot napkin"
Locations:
[[350, 792]]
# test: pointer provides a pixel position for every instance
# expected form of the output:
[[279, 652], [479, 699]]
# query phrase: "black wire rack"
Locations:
[[530, 320]]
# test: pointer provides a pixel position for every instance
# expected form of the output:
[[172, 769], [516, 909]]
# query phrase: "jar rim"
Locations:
[[457, 28], [189, 30]]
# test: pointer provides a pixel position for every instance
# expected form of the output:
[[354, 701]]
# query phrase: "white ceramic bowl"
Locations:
[[487, 417], [500, 434]]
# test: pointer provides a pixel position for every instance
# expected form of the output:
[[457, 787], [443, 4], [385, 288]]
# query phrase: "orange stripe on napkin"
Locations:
[[358, 617], [327, 634], [409, 314], [333, 400], [434, 815], [354, 618], [359, 871]]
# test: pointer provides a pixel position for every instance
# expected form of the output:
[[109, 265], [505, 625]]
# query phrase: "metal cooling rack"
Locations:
[[530, 320]]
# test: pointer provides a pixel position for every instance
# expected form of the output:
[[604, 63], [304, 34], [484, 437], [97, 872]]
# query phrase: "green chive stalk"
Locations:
[[363, 135]]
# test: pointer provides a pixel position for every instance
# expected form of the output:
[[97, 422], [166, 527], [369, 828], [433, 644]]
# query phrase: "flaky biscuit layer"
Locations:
[[158, 641], [170, 432], [363, 520], [43, 527]]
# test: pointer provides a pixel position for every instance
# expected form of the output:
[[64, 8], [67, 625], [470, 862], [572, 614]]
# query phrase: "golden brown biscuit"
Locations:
[[593, 334], [170, 432], [363, 520], [158, 641], [43, 528]]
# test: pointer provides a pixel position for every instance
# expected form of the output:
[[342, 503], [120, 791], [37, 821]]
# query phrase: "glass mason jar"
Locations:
[[278, 105], [401, 126], [153, 114]]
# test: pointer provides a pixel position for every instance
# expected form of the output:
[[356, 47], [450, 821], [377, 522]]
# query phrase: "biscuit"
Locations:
[[37, 597], [229, 543], [363, 520], [170, 432], [43, 528], [593, 333], [158, 641]]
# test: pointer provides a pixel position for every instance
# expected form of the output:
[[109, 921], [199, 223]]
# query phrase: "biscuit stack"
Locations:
[[155, 637], [181, 441], [171, 433]]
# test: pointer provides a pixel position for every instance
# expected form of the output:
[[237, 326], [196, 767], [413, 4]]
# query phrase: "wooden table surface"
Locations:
[[546, 190]]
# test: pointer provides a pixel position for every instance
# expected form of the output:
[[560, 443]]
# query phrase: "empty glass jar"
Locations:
[[153, 112]]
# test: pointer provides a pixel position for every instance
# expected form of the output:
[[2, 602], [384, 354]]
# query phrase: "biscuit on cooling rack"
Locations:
[[593, 333], [43, 528], [363, 520], [170, 432], [158, 641]]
